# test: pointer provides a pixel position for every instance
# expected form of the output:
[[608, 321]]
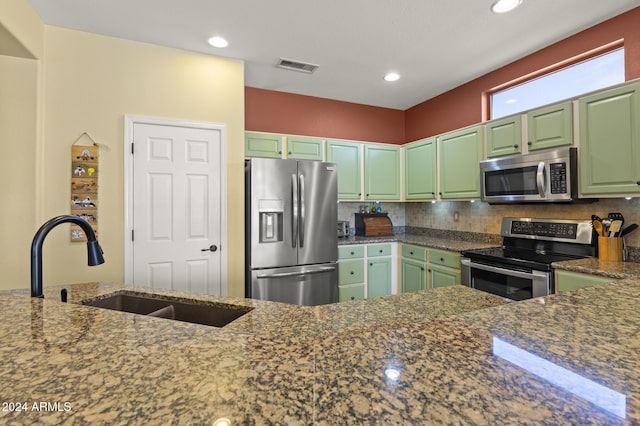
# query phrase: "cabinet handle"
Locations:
[[353, 298], [515, 146], [351, 273], [289, 152], [371, 264], [429, 269], [529, 143], [352, 253], [359, 194], [380, 251], [411, 253], [442, 259], [421, 268], [638, 182]]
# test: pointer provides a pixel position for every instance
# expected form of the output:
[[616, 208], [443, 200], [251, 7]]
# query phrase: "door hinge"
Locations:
[[132, 235], [131, 147]]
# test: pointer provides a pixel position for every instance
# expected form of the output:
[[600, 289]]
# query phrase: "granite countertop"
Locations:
[[432, 357]]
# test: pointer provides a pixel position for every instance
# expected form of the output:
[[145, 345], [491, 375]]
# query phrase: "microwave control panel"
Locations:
[[558, 173]]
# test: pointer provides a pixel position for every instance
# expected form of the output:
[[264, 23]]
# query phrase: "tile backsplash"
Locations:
[[485, 218]]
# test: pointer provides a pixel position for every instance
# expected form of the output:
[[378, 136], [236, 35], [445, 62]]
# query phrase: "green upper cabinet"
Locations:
[[303, 148], [347, 156], [550, 127], [504, 136], [610, 142], [381, 172], [262, 145], [420, 170], [460, 154]]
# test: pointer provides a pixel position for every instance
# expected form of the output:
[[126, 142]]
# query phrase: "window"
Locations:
[[593, 74]]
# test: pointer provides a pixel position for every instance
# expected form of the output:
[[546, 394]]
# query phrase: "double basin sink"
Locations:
[[216, 315]]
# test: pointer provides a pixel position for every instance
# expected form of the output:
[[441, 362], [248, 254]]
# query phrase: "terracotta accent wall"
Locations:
[[463, 105], [279, 112]]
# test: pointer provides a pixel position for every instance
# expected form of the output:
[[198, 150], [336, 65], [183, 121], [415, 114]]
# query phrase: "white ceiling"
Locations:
[[434, 45]]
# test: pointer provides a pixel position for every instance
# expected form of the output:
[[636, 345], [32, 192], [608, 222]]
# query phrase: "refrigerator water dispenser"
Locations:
[[270, 213]]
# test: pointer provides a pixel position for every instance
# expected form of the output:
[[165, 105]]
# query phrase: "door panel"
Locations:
[[176, 207], [271, 210], [318, 183]]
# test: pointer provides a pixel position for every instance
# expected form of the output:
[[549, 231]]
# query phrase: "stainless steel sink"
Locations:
[[216, 315]]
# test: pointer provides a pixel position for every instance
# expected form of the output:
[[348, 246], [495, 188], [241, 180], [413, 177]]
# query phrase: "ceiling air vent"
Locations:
[[292, 65]]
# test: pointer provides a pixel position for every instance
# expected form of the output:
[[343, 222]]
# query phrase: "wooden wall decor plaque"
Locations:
[[85, 169]]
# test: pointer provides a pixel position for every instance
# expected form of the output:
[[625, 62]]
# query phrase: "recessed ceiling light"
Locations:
[[504, 6], [392, 76], [218, 42]]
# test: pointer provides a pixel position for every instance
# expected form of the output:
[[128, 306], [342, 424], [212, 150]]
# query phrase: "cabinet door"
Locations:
[[420, 170], [302, 148], [440, 276], [414, 275], [550, 126], [460, 154], [381, 172], [504, 136], [379, 277], [610, 141], [347, 157], [351, 292], [351, 271], [566, 281], [262, 145]]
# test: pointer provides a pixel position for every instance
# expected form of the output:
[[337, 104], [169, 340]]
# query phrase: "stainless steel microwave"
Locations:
[[546, 176]]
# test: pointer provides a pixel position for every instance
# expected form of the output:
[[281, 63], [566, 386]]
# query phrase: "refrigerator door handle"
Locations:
[[294, 202], [297, 273], [302, 211]]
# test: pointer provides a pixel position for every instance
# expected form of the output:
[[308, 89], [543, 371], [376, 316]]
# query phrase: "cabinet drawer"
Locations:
[[350, 252], [445, 258], [351, 271], [351, 292], [414, 252], [375, 250]]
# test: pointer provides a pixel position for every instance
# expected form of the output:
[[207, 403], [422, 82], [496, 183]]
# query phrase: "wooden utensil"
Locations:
[[615, 227], [597, 225]]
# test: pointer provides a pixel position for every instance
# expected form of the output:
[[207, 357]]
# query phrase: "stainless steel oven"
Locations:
[[510, 282], [522, 267]]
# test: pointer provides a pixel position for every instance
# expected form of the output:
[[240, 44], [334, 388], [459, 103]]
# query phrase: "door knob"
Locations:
[[212, 247]]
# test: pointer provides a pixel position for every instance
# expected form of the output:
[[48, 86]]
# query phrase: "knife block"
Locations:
[[373, 224], [610, 249]]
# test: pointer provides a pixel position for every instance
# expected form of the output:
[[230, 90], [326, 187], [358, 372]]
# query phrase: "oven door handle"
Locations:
[[504, 271]]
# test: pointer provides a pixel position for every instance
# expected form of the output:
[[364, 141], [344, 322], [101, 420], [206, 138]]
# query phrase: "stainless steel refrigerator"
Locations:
[[291, 247]]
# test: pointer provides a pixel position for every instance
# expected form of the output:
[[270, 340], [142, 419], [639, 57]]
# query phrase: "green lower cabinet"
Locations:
[[379, 277], [351, 292], [414, 275], [442, 276], [566, 281]]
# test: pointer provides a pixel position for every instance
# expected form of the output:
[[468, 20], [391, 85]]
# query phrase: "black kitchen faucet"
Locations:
[[94, 250]]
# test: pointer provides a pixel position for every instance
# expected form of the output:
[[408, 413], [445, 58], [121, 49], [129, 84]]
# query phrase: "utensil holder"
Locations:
[[610, 249]]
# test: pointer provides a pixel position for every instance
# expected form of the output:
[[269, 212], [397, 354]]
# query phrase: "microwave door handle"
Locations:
[[294, 212], [540, 180]]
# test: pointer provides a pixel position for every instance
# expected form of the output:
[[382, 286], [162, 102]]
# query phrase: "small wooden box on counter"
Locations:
[[373, 224]]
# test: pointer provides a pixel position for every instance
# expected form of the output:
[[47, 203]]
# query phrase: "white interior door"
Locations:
[[177, 207]]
